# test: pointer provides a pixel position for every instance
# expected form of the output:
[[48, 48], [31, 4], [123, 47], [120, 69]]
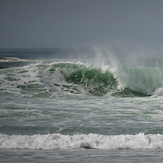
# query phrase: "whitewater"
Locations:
[[94, 108]]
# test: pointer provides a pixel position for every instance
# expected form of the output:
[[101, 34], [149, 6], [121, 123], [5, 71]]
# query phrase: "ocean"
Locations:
[[64, 105]]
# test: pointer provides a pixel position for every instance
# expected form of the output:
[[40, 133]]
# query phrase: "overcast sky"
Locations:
[[79, 23]]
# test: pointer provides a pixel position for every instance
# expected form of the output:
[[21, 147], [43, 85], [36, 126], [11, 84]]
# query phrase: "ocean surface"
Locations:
[[64, 105]]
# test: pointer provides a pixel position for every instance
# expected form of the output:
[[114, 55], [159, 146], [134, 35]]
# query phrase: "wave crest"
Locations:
[[78, 79]]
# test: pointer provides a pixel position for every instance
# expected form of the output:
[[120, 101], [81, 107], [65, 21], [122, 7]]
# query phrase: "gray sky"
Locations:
[[78, 23]]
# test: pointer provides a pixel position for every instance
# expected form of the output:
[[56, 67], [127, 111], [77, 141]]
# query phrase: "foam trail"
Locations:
[[94, 141]]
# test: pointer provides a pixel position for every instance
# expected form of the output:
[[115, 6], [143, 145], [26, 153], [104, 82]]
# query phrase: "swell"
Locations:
[[77, 79]]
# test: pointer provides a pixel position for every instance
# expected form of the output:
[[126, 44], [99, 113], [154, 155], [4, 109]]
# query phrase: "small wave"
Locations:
[[90, 141], [12, 59], [16, 59]]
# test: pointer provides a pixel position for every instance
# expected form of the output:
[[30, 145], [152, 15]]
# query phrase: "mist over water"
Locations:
[[135, 68]]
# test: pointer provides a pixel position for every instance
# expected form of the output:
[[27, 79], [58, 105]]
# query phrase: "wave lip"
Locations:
[[90, 141]]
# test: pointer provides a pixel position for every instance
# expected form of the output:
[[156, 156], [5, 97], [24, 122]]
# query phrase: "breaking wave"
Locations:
[[90, 141], [60, 79]]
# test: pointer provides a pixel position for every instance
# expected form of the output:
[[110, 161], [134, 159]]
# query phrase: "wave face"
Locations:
[[78, 79], [90, 141]]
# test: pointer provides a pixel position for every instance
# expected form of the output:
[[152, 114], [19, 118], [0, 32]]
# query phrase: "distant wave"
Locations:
[[15, 59], [90, 141], [59, 79]]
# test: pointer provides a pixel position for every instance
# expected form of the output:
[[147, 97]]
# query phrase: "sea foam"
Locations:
[[90, 141]]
